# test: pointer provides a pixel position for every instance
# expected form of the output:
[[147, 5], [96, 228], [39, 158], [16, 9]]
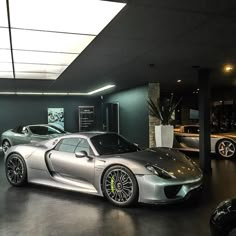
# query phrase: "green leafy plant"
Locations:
[[163, 109]]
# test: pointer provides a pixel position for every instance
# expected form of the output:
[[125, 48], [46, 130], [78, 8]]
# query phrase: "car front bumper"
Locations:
[[154, 190]]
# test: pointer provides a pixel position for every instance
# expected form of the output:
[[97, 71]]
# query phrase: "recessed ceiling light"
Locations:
[[228, 68], [101, 89], [58, 94], [179, 81], [198, 89]]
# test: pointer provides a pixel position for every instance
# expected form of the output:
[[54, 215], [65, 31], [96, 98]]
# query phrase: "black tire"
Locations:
[[120, 186], [16, 171], [5, 145], [232, 232], [226, 148]]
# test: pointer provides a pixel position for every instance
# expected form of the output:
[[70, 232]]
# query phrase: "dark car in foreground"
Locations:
[[223, 219], [105, 164], [29, 134], [187, 139]]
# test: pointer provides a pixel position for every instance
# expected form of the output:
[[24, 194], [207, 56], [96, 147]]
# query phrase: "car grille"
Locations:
[[172, 191]]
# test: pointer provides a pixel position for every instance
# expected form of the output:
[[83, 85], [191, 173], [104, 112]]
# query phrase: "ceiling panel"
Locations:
[[36, 76], [39, 68], [77, 16], [47, 41], [5, 55], [4, 36], [3, 13], [8, 75], [43, 57]]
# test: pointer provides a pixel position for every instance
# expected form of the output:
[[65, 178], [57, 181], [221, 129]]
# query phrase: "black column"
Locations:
[[204, 118]]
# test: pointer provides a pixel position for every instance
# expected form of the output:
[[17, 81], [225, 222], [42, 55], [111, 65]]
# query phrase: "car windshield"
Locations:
[[45, 130], [108, 144]]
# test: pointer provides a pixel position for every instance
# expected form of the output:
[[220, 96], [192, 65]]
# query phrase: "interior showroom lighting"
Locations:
[[59, 94], [42, 38], [228, 68]]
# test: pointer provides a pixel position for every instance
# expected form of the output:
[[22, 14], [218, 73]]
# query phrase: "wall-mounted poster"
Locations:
[[86, 118], [56, 117]]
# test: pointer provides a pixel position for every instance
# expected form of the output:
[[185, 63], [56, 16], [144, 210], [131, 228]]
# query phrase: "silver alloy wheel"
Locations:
[[5, 145], [15, 170], [119, 186], [226, 148]]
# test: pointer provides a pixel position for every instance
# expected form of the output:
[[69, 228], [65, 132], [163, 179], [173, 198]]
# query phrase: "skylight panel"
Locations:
[[39, 68], [43, 57], [75, 16], [39, 76], [6, 75], [51, 34], [6, 67], [3, 14], [47, 41], [4, 38], [5, 55]]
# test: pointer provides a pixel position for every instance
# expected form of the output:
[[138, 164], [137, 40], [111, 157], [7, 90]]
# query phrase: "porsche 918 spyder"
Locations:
[[105, 164], [29, 134]]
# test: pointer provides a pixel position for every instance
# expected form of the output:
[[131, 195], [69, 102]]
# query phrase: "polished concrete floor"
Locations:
[[36, 210]]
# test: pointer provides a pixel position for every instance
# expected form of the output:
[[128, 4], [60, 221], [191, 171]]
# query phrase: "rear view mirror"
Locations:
[[81, 154]]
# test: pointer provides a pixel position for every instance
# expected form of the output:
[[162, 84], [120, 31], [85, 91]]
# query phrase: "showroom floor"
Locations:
[[35, 210]]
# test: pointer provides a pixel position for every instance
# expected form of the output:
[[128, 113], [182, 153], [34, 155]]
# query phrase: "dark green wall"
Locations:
[[20, 110], [134, 123]]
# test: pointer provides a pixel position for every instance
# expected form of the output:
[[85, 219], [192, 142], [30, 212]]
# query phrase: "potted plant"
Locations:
[[163, 110]]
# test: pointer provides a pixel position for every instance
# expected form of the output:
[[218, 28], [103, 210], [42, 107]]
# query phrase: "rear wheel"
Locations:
[[232, 232], [120, 186], [16, 171], [5, 145], [226, 148]]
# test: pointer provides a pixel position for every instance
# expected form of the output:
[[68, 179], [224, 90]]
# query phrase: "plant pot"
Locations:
[[164, 135]]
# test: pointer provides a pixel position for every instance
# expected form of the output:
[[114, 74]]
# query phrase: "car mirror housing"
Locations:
[[81, 154]]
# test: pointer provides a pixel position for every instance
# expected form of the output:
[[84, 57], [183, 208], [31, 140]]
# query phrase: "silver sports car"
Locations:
[[29, 134], [105, 164], [187, 138]]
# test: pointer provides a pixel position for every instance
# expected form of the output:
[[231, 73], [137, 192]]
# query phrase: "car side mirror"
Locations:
[[81, 154], [137, 146]]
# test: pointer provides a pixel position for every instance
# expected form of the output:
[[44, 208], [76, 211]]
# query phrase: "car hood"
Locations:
[[174, 162]]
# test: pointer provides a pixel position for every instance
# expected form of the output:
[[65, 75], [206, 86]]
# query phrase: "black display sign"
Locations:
[[86, 118]]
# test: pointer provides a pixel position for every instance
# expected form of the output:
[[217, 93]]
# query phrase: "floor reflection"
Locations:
[[37, 210]]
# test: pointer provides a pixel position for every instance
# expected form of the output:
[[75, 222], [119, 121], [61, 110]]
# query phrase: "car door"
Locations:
[[63, 162], [189, 139], [21, 136]]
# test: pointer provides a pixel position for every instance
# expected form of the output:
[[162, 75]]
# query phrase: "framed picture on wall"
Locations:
[[56, 117]]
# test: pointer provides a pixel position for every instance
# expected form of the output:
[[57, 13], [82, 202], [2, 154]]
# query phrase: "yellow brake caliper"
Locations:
[[112, 184]]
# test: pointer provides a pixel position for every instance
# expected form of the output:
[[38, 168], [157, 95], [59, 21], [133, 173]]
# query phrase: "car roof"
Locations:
[[88, 134]]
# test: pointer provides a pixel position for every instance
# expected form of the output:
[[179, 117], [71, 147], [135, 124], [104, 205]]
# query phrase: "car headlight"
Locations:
[[159, 172]]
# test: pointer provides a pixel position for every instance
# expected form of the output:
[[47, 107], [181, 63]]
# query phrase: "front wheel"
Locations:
[[232, 232], [16, 171], [120, 186], [226, 148], [5, 145]]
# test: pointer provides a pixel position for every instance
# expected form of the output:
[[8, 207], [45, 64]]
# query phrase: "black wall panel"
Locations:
[[17, 110], [133, 109]]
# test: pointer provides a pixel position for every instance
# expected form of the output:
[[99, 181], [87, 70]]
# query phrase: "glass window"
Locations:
[[45, 130], [84, 146], [67, 145], [191, 129], [18, 129], [74, 145], [107, 144]]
